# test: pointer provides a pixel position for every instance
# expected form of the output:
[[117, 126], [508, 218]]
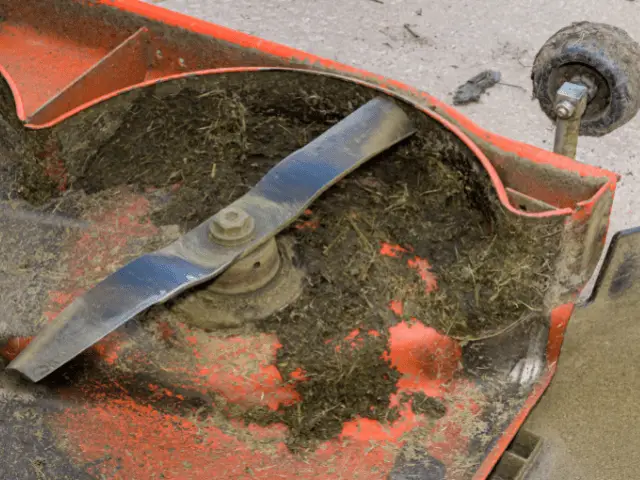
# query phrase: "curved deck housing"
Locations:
[[64, 59]]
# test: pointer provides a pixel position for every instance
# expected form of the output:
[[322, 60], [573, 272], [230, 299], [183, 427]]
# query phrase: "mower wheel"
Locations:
[[602, 57]]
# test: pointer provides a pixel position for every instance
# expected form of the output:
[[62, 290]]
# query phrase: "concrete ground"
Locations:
[[590, 417]]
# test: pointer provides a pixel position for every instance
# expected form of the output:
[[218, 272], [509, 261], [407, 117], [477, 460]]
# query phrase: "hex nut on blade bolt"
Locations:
[[231, 226]]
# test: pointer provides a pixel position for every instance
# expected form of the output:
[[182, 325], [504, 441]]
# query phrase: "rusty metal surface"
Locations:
[[276, 201]]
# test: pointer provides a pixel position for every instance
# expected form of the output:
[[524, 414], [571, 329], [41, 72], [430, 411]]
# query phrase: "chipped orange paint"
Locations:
[[54, 166], [559, 320], [428, 362], [299, 374], [420, 265], [367, 430], [427, 359], [423, 267], [13, 347], [354, 338], [101, 244], [100, 249], [143, 441], [58, 300], [352, 335], [109, 347], [396, 307], [308, 225], [391, 250], [242, 369], [167, 332]]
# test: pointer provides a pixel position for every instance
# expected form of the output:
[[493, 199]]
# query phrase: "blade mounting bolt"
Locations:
[[232, 226]]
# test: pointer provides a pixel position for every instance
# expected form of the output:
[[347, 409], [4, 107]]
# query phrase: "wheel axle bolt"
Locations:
[[565, 109], [231, 226]]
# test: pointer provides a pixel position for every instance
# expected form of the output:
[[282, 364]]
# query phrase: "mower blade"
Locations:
[[274, 203]]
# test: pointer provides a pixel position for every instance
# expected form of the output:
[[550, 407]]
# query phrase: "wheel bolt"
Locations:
[[565, 109]]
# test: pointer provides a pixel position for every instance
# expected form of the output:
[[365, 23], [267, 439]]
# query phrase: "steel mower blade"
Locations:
[[271, 205]]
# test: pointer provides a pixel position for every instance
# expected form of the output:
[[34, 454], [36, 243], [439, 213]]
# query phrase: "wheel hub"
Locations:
[[589, 81]]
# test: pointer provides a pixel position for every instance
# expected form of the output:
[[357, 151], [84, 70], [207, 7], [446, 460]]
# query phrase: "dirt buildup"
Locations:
[[469, 272], [419, 227], [345, 379], [23, 169], [214, 141], [422, 404], [342, 380]]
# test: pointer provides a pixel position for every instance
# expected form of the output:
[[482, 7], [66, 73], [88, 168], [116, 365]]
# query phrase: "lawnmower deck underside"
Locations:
[[410, 301], [354, 368]]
